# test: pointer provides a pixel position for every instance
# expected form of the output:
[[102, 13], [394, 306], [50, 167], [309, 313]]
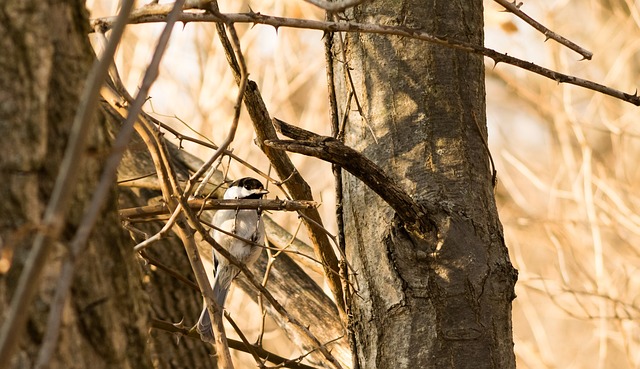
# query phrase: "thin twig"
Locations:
[[156, 14], [160, 234], [337, 131], [234, 344], [335, 6], [210, 145], [265, 279], [332, 238], [250, 349], [282, 239], [172, 272], [515, 9], [494, 171], [203, 184], [351, 91]]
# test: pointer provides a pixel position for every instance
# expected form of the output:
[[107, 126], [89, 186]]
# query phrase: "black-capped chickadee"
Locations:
[[247, 225]]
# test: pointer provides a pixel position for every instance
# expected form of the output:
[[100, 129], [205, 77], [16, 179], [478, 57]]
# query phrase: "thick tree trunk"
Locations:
[[424, 304], [45, 60]]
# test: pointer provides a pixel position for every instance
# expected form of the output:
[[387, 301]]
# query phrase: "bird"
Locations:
[[247, 225]]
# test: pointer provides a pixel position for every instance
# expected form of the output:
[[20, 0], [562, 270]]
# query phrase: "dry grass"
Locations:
[[566, 157]]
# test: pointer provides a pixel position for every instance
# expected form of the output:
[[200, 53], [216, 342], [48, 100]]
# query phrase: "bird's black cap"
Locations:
[[250, 183]]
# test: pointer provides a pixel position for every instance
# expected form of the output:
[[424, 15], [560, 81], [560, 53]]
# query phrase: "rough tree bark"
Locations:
[[45, 59], [435, 300]]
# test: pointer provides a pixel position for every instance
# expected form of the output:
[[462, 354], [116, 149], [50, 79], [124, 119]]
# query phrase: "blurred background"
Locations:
[[566, 157]]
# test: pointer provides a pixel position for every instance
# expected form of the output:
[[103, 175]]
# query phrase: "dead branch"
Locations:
[[234, 344], [334, 151], [215, 204], [549, 34], [156, 13]]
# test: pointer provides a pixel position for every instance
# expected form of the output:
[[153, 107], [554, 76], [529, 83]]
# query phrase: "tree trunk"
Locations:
[[423, 304], [45, 60]]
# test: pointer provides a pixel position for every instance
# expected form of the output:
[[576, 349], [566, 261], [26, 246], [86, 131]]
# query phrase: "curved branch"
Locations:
[[331, 150]]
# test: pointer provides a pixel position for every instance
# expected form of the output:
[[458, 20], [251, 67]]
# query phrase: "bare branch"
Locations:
[[249, 348], [334, 151], [157, 15], [234, 344], [214, 204], [170, 271], [165, 229], [515, 9]]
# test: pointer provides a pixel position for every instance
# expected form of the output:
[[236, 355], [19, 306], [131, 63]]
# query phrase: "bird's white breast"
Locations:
[[246, 224]]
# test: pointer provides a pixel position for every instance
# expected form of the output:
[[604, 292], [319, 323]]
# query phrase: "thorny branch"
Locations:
[[155, 13], [549, 34], [212, 204]]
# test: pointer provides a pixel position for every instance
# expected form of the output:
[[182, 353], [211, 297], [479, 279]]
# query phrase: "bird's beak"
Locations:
[[260, 192]]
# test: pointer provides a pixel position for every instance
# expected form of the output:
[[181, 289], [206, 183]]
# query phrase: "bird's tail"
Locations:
[[204, 326], [221, 284]]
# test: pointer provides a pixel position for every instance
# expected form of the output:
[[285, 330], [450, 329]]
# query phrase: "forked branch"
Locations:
[[334, 151]]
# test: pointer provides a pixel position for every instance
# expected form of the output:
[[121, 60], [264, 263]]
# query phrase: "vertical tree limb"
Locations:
[[295, 184]]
